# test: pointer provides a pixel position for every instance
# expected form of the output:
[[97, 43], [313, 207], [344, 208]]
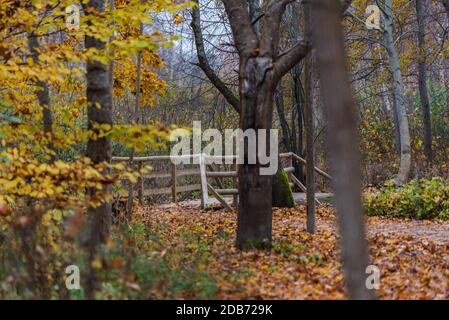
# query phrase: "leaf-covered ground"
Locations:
[[413, 256]]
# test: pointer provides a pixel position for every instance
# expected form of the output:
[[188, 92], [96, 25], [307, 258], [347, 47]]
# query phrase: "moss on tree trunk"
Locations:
[[282, 193]]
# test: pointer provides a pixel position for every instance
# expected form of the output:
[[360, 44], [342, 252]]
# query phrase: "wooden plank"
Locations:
[[141, 185], [218, 179], [303, 187], [203, 177], [188, 188], [156, 158], [227, 191], [223, 159], [318, 170], [219, 198], [289, 169], [166, 175], [168, 190], [158, 175], [187, 172], [152, 192], [286, 155], [221, 173], [173, 182], [234, 184]]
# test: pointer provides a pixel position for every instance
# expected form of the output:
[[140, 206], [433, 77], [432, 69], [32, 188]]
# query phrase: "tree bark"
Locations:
[[342, 139], [254, 228], [398, 91], [98, 150], [294, 32], [203, 62], [309, 126], [422, 80], [280, 108], [299, 100], [260, 69], [135, 120]]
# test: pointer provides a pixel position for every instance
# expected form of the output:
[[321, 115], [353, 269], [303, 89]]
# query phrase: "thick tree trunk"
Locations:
[[99, 98], [261, 68], [422, 80], [343, 150], [255, 190], [398, 91], [135, 120], [98, 150]]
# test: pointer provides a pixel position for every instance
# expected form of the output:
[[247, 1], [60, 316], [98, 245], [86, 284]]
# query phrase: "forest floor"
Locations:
[[413, 256]]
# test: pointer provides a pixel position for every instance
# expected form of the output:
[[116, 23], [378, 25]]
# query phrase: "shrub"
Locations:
[[419, 199]]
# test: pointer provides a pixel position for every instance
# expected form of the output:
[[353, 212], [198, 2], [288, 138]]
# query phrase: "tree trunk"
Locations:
[[261, 67], [99, 150], [135, 120], [398, 91], [422, 80], [299, 104], [342, 139], [294, 32], [280, 108], [309, 126], [255, 190]]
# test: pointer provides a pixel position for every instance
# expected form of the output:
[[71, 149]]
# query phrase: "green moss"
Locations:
[[282, 193]]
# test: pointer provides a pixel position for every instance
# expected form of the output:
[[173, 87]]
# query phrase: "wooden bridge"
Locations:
[[204, 170]]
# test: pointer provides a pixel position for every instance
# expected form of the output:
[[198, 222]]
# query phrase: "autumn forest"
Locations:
[[224, 150]]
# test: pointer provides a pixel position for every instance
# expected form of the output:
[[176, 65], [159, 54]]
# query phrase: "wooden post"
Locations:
[[219, 198], [173, 182], [204, 189], [129, 205], [290, 164], [234, 184], [140, 183]]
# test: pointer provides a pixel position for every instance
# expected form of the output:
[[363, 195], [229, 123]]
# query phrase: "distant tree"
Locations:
[[399, 96], [422, 79]]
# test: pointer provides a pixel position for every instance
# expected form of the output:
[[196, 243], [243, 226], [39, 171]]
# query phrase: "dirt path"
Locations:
[[437, 231]]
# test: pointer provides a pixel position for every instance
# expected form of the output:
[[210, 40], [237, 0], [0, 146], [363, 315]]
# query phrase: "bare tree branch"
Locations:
[[203, 62], [288, 59]]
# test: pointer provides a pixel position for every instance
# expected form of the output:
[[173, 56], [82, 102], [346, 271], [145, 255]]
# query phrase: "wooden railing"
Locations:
[[205, 169]]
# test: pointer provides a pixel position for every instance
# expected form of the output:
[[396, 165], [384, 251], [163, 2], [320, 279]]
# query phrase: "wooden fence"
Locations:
[[205, 169]]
